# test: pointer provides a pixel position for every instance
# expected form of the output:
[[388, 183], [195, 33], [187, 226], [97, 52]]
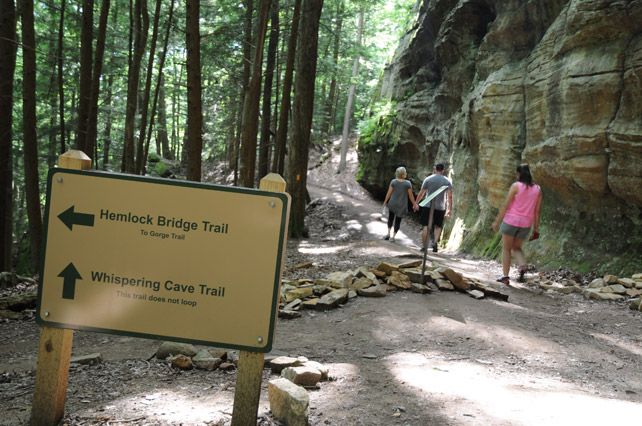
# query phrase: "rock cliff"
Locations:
[[484, 85]]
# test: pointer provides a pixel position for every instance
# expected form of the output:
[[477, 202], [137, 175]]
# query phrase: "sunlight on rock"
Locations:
[[472, 387], [456, 235]]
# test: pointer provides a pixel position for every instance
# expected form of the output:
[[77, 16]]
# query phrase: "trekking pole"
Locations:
[[427, 243]]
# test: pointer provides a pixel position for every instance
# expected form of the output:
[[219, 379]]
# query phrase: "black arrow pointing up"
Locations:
[[70, 275], [70, 218]]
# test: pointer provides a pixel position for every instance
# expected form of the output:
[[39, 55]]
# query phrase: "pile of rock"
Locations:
[[289, 400], [609, 287], [338, 287]]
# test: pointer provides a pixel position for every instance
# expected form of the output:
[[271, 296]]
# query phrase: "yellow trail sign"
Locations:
[[150, 257]]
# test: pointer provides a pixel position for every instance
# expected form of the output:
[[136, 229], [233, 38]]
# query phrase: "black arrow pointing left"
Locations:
[[71, 218], [70, 275]]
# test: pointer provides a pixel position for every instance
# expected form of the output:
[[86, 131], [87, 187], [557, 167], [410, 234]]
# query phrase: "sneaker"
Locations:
[[392, 239], [387, 237], [522, 271], [504, 280], [434, 248]]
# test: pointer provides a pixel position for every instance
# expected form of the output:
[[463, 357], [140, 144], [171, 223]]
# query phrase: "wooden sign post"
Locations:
[[250, 371], [88, 287], [54, 352]]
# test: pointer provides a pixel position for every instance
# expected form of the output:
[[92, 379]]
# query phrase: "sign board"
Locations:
[[160, 258], [433, 195]]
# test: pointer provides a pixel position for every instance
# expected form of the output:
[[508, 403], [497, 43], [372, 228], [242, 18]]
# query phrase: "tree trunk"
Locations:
[[162, 144], [327, 116], [247, 69], [142, 138], [92, 120], [84, 93], [266, 122], [140, 39], [346, 120], [194, 106], [30, 136], [278, 166], [302, 110], [250, 121], [61, 92], [8, 45], [162, 123], [107, 135]]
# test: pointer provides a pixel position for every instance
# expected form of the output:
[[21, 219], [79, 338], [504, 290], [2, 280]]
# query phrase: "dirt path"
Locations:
[[406, 359]]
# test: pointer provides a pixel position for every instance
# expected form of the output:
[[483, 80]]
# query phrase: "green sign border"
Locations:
[[189, 184]]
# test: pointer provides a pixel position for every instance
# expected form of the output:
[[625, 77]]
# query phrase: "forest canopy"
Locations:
[[161, 87]]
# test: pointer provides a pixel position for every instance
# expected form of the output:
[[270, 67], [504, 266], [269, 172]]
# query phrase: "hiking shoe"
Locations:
[[522, 271], [392, 240], [504, 280], [434, 248], [387, 237]]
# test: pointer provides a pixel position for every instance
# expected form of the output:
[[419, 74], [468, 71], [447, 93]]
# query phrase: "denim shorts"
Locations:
[[514, 231]]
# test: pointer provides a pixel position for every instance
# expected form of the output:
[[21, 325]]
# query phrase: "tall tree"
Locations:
[[30, 137], [162, 141], [302, 110], [8, 54], [266, 122], [61, 71], [92, 119], [250, 121], [140, 153], [247, 70], [278, 165], [194, 106], [346, 120], [140, 40], [329, 103], [84, 93]]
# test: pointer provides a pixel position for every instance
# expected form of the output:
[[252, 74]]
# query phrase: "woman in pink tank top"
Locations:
[[519, 212]]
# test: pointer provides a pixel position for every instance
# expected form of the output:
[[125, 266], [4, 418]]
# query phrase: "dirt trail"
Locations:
[[406, 359]]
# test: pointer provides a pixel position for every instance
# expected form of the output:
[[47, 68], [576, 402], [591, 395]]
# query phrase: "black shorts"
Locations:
[[437, 217]]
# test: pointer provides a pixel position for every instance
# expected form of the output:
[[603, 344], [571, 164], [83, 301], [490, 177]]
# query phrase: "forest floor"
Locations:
[[443, 358]]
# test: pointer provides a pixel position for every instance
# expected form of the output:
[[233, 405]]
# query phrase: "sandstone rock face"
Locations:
[[484, 85]]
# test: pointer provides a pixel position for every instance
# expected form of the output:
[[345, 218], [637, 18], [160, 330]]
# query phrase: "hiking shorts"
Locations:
[[514, 231], [437, 217]]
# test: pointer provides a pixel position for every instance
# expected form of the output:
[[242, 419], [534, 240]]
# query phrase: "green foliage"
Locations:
[[380, 122]]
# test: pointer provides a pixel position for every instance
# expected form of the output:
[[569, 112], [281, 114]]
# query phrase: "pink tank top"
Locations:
[[521, 211]]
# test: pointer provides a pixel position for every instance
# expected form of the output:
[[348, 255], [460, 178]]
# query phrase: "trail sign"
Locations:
[[160, 258], [432, 195]]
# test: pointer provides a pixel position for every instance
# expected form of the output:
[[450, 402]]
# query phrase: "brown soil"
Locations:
[[408, 359]]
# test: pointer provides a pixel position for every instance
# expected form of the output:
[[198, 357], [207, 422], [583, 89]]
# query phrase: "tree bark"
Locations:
[[302, 110], [142, 132], [278, 166], [327, 116], [266, 121], [346, 120], [30, 137], [161, 141], [84, 92], [140, 40], [194, 106], [250, 121], [107, 135], [92, 120], [247, 70], [61, 92], [8, 45]]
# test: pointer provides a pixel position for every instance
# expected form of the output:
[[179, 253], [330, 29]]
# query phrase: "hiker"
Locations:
[[520, 210], [431, 184], [399, 192]]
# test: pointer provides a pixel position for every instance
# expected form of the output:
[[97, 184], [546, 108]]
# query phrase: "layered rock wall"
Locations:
[[486, 85]]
